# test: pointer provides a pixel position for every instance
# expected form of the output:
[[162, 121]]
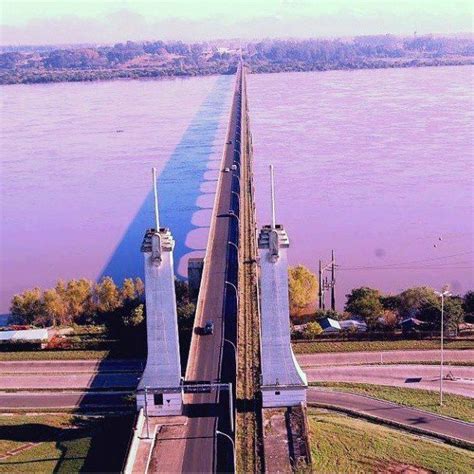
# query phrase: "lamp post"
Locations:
[[442, 295], [238, 197], [146, 414], [234, 245], [233, 214], [236, 291], [235, 350], [233, 445]]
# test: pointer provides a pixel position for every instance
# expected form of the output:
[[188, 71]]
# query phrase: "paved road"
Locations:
[[71, 366], [64, 381], [61, 400], [409, 376], [394, 413], [352, 358]]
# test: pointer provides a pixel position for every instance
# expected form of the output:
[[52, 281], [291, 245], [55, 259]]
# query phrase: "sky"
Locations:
[[43, 22]]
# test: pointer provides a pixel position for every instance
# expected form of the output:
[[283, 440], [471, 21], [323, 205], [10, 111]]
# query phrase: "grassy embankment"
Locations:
[[362, 346], [341, 444], [64, 443], [454, 406]]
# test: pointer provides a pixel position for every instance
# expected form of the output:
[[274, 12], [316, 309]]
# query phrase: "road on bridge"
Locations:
[[211, 359]]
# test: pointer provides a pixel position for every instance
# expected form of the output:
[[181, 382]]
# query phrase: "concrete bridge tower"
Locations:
[[161, 380], [283, 381]]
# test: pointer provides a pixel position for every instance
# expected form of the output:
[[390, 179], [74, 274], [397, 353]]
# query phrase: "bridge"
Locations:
[[212, 421]]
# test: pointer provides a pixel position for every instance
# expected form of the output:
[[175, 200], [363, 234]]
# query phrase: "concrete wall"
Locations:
[[283, 396], [172, 403], [132, 452]]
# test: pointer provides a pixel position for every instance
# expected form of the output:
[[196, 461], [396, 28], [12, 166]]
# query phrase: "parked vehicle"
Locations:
[[209, 328]]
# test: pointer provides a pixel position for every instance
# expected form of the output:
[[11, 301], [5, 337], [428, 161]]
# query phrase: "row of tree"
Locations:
[[375, 308], [77, 301], [159, 58]]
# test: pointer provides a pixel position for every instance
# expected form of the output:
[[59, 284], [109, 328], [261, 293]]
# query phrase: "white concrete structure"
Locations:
[[161, 380], [283, 381]]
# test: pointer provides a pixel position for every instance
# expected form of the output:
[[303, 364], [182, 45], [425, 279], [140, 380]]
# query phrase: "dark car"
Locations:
[[208, 328]]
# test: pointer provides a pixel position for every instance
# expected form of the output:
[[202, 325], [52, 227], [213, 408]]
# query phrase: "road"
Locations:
[[409, 376], [400, 356], [58, 400], [71, 366], [392, 412], [197, 449]]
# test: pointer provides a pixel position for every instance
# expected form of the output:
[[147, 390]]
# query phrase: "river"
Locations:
[[375, 164]]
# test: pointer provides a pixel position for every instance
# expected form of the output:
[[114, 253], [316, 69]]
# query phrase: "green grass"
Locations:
[[454, 406], [66, 443], [53, 355], [356, 346], [341, 444]]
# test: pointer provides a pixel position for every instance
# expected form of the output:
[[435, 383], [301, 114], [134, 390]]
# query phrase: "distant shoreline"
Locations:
[[100, 75]]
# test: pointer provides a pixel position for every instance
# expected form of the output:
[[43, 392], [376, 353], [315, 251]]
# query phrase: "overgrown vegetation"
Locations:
[[454, 406], [342, 444], [163, 59]]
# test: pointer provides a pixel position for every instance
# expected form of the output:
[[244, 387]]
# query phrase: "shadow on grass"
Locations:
[[89, 444]]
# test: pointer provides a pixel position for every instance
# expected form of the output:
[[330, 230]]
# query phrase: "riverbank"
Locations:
[[54, 75]]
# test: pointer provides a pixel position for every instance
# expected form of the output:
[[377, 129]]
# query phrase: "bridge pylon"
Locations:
[[283, 383], [161, 380]]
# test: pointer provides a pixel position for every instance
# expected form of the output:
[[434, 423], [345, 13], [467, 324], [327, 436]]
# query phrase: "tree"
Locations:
[[78, 294], [365, 302], [135, 317], [139, 287], [303, 288], [411, 301], [468, 304], [55, 307], [453, 313], [128, 291], [312, 330], [108, 295], [27, 306]]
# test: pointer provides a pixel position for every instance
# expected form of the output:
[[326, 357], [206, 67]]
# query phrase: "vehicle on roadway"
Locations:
[[208, 328], [226, 170]]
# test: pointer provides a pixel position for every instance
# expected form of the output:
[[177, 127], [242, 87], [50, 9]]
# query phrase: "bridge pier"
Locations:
[[283, 383], [159, 391]]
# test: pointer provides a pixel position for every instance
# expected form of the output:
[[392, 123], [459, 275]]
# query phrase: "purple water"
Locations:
[[375, 164], [76, 174]]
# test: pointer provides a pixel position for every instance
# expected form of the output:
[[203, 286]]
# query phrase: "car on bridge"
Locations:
[[209, 328]]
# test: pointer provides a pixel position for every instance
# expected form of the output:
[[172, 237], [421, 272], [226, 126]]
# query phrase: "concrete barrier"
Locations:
[[132, 452]]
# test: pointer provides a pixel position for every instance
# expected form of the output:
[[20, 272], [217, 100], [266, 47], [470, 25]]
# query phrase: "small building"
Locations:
[[329, 325], [412, 325], [39, 337], [354, 325]]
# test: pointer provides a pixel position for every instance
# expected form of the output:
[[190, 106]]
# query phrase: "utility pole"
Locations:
[[320, 285], [333, 281]]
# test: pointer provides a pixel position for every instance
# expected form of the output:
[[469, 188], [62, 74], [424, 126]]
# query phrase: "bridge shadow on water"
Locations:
[[178, 187]]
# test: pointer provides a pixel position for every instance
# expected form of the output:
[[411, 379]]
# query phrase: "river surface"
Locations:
[[374, 164]]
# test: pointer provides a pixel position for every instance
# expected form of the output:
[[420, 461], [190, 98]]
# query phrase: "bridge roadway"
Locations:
[[210, 359]]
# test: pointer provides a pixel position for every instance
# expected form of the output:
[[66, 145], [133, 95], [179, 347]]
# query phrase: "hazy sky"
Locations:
[[106, 21]]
